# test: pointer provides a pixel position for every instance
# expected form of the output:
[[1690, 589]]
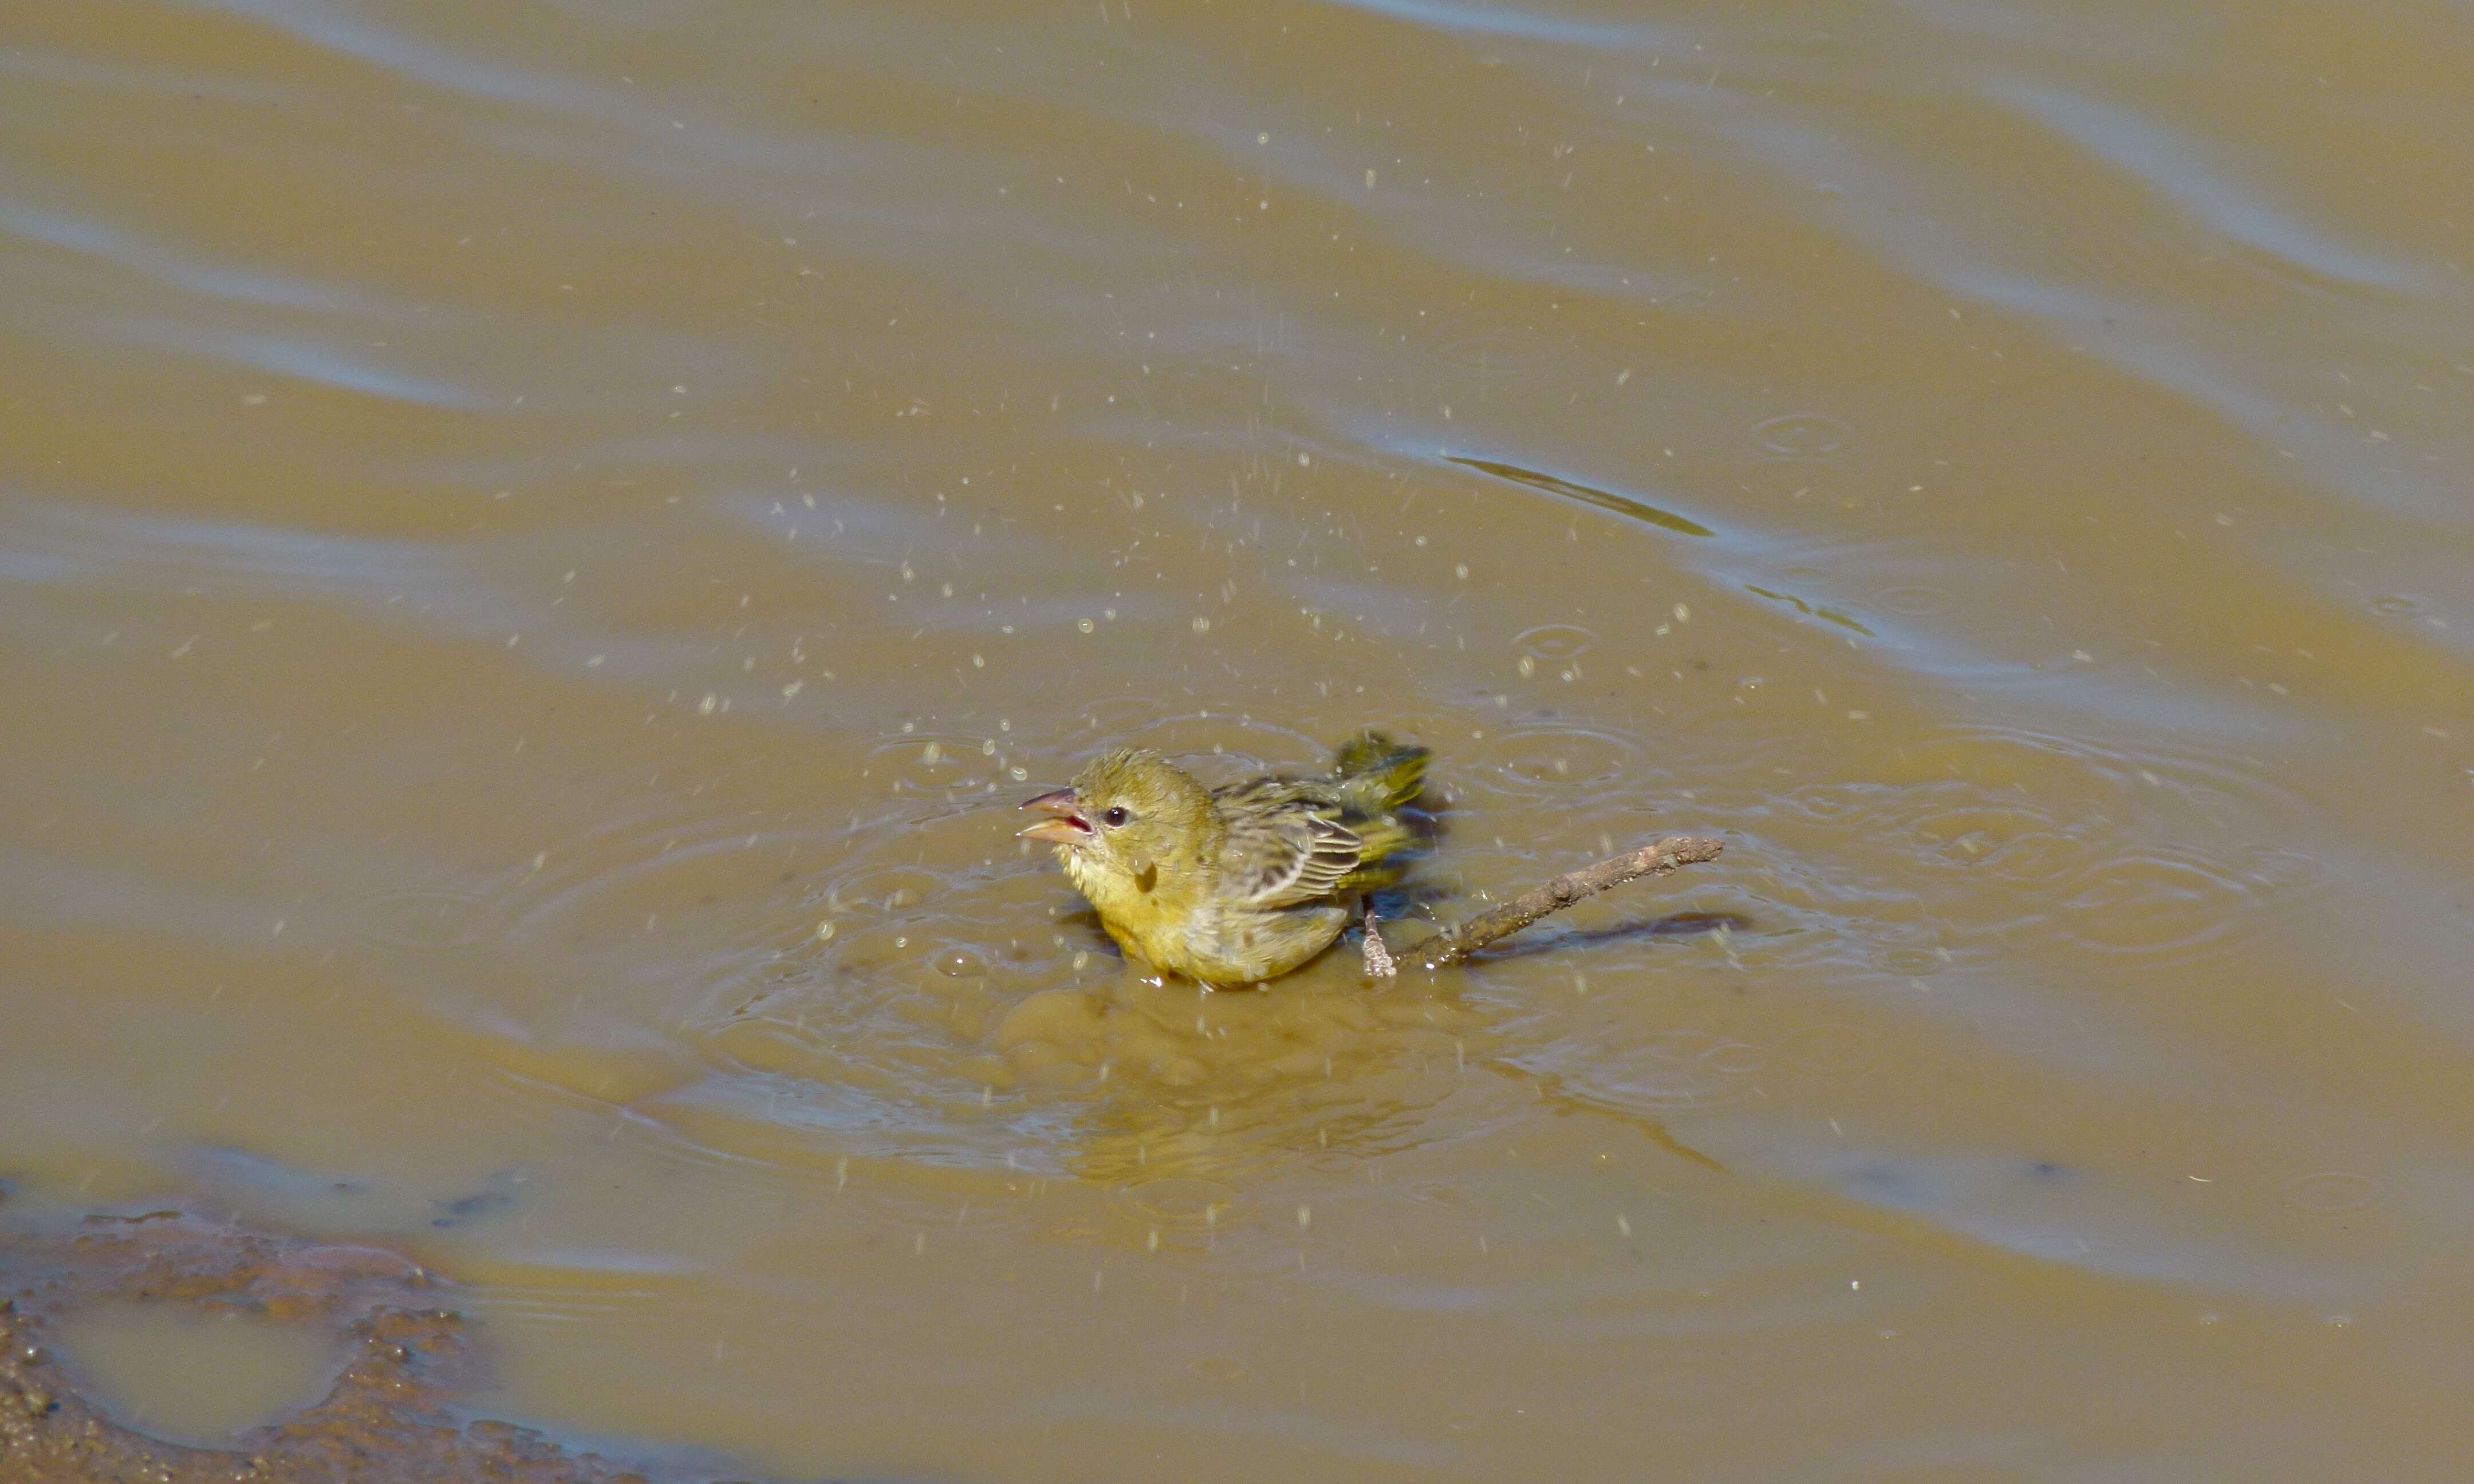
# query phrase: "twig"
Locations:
[[1656, 859], [1380, 962]]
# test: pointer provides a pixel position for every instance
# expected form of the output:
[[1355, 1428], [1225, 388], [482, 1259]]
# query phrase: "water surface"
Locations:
[[540, 543]]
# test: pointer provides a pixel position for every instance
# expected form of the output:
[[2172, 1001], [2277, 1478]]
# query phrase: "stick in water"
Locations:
[[1455, 944]]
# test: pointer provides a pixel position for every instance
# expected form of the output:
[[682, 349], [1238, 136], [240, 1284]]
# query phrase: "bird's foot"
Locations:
[[1379, 962]]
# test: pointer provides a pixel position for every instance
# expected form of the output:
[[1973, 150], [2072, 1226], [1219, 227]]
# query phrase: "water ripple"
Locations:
[[2174, 170], [135, 254], [302, 360], [1514, 23]]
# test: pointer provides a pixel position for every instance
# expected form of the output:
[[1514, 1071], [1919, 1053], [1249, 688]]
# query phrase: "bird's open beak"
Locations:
[[1065, 825]]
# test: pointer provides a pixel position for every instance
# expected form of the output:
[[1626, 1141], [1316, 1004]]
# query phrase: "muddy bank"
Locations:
[[386, 1419]]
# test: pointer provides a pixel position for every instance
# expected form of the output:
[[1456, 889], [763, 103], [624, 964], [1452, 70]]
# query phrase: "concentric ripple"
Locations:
[[1801, 436], [1543, 763], [925, 989], [2148, 856], [2165, 902], [1673, 1071], [936, 765], [1555, 643]]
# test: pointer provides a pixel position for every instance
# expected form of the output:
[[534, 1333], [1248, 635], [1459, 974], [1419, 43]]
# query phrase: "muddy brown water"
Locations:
[[540, 541]]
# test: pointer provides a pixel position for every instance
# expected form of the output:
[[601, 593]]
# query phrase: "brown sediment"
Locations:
[[386, 1420]]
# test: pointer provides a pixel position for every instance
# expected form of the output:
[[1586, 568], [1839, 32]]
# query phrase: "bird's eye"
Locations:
[[1115, 816]]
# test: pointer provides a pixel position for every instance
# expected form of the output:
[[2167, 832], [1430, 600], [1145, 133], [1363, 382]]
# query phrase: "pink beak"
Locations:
[[1064, 825]]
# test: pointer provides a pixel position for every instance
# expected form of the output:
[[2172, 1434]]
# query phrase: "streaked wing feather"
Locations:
[[1286, 852]]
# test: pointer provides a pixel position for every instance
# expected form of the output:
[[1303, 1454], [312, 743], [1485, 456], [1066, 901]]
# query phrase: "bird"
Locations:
[[1235, 885]]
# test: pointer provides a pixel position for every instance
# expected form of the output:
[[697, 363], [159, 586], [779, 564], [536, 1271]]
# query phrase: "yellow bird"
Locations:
[[1238, 884]]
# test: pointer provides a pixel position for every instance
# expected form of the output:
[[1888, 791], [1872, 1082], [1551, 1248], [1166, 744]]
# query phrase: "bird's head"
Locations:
[[1126, 816]]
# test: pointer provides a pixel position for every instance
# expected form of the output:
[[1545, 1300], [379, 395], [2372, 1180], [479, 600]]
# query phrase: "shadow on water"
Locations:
[[1822, 611], [1587, 495], [1672, 924]]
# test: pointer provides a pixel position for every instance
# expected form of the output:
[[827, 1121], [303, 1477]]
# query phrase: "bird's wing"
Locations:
[[1284, 849]]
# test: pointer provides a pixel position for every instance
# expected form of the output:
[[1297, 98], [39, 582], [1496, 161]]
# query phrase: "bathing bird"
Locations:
[[1234, 885]]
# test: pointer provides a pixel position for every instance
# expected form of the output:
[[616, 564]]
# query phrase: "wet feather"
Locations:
[[1242, 883]]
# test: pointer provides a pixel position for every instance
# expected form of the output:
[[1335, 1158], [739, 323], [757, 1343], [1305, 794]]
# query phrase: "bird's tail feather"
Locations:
[[1378, 774], [1379, 779]]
